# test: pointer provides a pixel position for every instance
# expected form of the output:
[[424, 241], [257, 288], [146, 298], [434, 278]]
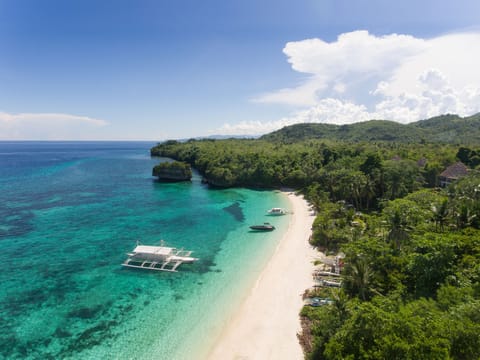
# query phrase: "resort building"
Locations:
[[453, 173]]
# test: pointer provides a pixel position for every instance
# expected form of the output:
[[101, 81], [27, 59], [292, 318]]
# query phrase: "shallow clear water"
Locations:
[[68, 214]]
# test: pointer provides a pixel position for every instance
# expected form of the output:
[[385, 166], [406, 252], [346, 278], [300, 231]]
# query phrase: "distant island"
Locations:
[[400, 203]]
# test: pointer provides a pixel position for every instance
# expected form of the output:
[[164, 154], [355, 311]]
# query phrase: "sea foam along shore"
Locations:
[[267, 323]]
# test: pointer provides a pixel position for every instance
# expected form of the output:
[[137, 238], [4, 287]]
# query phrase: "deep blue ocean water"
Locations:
[[70, 211]]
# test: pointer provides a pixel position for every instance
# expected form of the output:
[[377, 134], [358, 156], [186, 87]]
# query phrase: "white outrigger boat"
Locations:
[[277, 211], [161, 258]]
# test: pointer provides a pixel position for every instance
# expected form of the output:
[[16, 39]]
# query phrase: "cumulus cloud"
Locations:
[[302, 95], [361, 76], [434, 96], [48, 126], [252, 127], [354, 57], [329, 110]]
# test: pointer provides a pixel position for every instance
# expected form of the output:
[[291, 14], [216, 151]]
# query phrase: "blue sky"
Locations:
[[152, 70]]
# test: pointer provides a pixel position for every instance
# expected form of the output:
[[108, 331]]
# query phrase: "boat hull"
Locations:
[[161, 258], [276, 212], [262, 228]]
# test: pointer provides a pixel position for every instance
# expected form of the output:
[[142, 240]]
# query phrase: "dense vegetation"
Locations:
[[411, 283], [381, 170], [174, 170]]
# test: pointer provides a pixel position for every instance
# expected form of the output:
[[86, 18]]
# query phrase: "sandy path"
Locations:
[[267, 323]]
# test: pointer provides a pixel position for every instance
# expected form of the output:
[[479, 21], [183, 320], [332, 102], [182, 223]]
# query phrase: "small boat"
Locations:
[[316, 301], [263, 227], [161, 258], [276, 211]]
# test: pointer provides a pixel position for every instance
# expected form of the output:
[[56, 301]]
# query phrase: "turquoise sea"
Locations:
[[70, 211]]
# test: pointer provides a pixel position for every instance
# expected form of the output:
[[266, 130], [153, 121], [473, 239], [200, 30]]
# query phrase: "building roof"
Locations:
[[455, 171]]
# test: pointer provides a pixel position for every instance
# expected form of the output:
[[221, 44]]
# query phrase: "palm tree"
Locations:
[[358, 279], [465, 216], [440, 214], [398, 228], [340, 301], [368, 192]]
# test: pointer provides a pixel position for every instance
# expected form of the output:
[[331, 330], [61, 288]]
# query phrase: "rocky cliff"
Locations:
[[173, 171]]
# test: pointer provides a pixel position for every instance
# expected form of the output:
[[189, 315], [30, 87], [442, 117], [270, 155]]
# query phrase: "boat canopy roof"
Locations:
[[156, 250]]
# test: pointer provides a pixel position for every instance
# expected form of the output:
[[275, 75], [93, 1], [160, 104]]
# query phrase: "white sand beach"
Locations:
[[267, 323]]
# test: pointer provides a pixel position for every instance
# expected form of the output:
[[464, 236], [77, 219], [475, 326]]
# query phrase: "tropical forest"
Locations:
[[400, 202]]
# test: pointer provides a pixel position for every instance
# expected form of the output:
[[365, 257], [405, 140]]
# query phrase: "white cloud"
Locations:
[[329, 110], [454, 55], [433, 79], [355, 57], [47, 126], [361, 76], [434, 96], [252, 127], [356, 52], [333, 111], [302, 95]]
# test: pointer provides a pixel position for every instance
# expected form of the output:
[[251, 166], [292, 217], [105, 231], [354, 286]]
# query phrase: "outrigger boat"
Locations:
[[264, 227], [161, 258], [276, 211]]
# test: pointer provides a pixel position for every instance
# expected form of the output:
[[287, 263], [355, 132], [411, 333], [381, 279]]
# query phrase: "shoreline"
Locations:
[[267, 323]]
